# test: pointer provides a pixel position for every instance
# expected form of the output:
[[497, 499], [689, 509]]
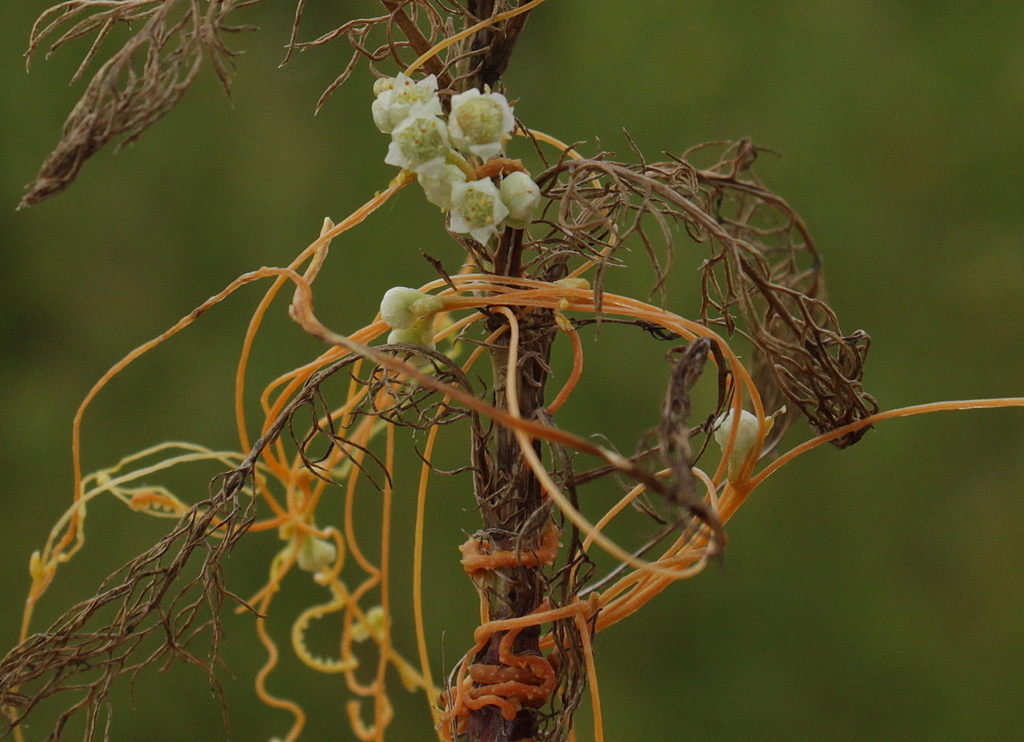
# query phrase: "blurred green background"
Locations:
[[872, 593]]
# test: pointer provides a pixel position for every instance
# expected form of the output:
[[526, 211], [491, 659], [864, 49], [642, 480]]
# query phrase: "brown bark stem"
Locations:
[[513, 507]]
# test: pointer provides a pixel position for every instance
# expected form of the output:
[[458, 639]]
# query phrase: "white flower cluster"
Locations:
[[423, 141]]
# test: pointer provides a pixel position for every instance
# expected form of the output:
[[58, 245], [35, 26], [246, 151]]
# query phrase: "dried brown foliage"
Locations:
[[171, 595], [763, 267], [138, 84]]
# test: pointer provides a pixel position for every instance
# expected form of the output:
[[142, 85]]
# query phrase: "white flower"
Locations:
[[402, 307], [479, 122], [522, 197], [746, 437], [477, 209], [396, 97], [438, 186], [420, 142], [316, 554]]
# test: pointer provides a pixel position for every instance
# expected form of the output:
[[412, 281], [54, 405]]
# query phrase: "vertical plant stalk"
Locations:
[[515, 515], [514, 511]]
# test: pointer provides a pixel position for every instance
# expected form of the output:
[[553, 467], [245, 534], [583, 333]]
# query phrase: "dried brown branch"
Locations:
[[674, 431], [763, 271], [154, 597], [411, 28], [138, 84]]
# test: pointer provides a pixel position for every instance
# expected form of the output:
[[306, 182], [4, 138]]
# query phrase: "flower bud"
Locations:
[[477, 209], [421, 332], [376, 621], [479, 122], [522, 197], [574, 283], [746, 437], [438, 186], [402, 307], [316, 554], [420, 142], [397, 96]]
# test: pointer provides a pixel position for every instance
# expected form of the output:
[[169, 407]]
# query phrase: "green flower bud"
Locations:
[[746, 437], [438, 186], [316, 554], [376, 620], [420, 332], [402, 307], [522, 197]]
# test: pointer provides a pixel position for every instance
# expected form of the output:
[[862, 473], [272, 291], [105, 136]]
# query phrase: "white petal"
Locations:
[[487, 151]]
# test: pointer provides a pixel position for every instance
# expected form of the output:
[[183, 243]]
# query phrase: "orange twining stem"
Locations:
[[361, 438], [527, 678], [574, 375], [261, 677], [499, 167], [588, 656], [509, 692], [549, 296], [921, 409], [383, 713], [317, 250], [619, 507], [71, 539], [294, 380], [524, 439], [479, 555], [417, 567], [184, 322], [558, 144], [297, 476], [381, 706]]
